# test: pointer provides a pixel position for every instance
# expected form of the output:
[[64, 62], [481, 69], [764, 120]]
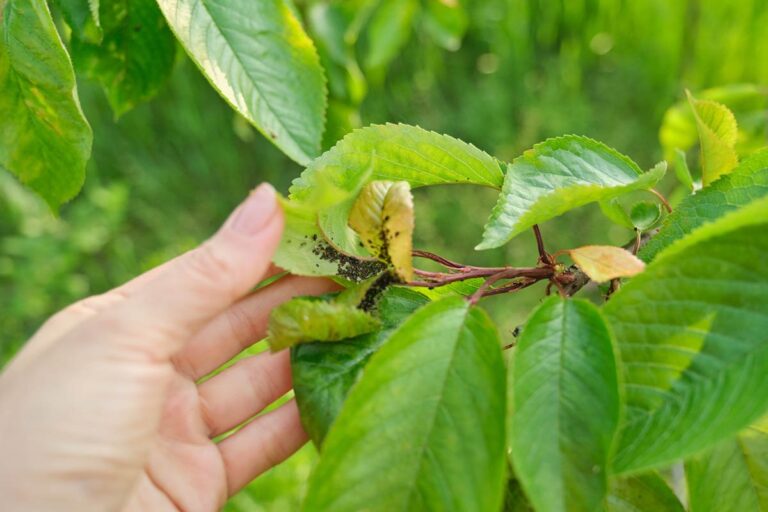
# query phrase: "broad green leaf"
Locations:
[[558, 175], [446, 21], [303, 249], [331, 183], [429, 405], [747, 182], [646, 492], [682, 171], [135, 57], [565, 406], [615, 211], [731, 476], [645, 215], [82, 16], [257, 55], [324, 372], [605, 262], [388, 30], [717, 135], [44, 138], [691, 336], [303, 320], [382, 216]]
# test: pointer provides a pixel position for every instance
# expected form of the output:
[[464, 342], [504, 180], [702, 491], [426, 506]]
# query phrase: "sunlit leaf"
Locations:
[[429, 405], [733, 475], [257, 55], [446, 21], [556, 176], [302, 320], [44, 138], [383, 218], [747, 182], [605, 262], [717, 135], [135, 57], [691, 336], [565, 406], [323, 373], [646, 492]]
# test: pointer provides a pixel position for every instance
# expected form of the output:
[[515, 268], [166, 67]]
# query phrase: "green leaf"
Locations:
[[303, 320], [331, 183], [82, 16], [323, 373], [691, 338], [746, 183], [388, 30], [44, 138], [615, 211], [565, 406], [446, 21], [257, 55], [682, 171], [731, 476], [646, 492], [558, 175], [135, 57], [382, 216], [645, 215], [717, 135], [429, 405]]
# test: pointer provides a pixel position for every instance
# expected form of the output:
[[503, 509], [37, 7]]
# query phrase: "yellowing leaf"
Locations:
[[304, 320], [383, 218], [605, 262], [717, 135]]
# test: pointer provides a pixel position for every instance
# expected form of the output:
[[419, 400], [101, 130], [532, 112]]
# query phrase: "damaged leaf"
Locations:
[[605, 262]]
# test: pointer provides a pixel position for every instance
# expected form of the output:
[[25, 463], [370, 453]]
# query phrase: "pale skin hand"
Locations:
[[101, 410]]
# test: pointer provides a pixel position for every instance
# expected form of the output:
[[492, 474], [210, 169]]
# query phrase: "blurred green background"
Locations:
[[164, 175]]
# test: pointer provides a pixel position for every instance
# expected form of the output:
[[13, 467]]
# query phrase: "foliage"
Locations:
[[499, 75]]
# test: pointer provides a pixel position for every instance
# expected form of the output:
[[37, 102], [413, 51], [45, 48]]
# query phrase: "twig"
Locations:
[[439, 259], [544, 257], [663, 199]]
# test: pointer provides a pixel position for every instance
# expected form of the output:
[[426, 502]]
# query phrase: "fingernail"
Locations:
[[256, 211]]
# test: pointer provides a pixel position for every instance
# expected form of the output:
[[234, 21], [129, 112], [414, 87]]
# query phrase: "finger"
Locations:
[[244, 390], [161, 315], [242, 324], [262, 444]]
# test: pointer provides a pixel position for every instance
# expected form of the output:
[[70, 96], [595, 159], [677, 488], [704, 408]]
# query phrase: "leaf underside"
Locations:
[[646, 492], [257, 55]]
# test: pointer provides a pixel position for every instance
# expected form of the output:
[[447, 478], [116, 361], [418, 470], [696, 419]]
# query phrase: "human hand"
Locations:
[[101, 410]]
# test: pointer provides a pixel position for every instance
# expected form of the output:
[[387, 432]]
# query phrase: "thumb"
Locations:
[[202, 283]]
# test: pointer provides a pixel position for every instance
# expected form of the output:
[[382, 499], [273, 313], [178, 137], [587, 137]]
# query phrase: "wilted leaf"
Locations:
[[749, 181], [558, 175], [383, 218], [323, 373], [717, 135], [258, 57], [429, 405], [605, 262], [303, 320], [691, 337], [44, 138], [565, 407]]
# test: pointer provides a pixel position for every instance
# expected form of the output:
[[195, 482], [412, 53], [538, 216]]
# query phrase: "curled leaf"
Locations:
[[605, 262], [383, 218], [718, 131], [304, 320], [645, 215]]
